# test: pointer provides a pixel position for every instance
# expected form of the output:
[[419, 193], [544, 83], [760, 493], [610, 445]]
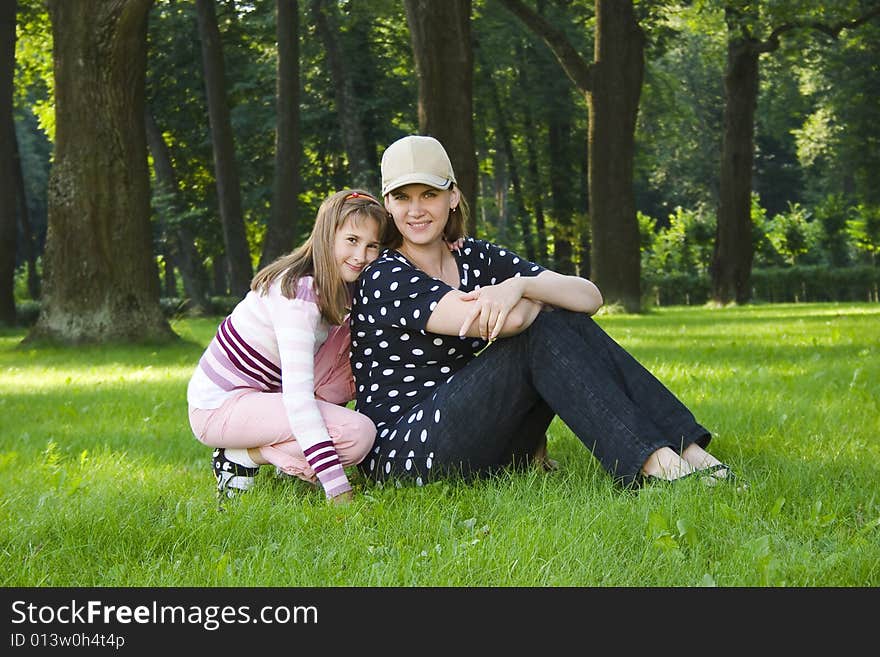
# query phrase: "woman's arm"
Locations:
[[452, 311], [493, 302], [569, 292]]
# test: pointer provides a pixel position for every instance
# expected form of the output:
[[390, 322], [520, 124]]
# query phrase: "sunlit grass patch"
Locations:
[[104, 484]]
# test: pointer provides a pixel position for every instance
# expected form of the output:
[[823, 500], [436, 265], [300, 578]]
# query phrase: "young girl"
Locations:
[[272, 384], [422, 314]]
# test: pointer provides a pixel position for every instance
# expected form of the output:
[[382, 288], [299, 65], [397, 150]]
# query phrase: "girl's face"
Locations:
[[356, 245], [420, 212]]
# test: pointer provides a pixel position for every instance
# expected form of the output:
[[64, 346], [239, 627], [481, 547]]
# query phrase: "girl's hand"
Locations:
[[456, 245], [493, 304]]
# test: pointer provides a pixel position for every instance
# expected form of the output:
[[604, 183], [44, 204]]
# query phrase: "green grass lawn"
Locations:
[[104, 485]]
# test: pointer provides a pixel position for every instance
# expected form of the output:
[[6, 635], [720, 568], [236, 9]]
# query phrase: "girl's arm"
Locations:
[[295, 323]]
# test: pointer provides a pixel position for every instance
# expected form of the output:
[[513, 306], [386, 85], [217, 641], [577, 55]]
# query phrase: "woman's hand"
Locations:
[[492, 304]]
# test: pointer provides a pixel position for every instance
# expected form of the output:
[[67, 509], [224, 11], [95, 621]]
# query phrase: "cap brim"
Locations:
[[417, 178]]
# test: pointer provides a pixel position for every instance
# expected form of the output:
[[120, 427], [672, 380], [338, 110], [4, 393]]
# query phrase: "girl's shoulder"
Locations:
[[304, 289]]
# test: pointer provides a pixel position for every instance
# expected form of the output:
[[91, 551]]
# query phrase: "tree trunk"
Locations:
[[443, 54], [584, 230], [614, 105], [281, 232], [562, 176], [503, 128], [228, 187], [101, 282], [612, 85], [180, 238], [500, 184], [531, 138], [734, 250], [168, 278], [362, 170], [8, 232], [27, 233], [219, 275]]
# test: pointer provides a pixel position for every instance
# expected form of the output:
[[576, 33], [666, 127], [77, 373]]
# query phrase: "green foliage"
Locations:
[[864, 229], [681, 247], [799, 283], [815, 283], [834, 241], [765, 253], [815, 141], [792, 234], [34, 76], [678, 134]]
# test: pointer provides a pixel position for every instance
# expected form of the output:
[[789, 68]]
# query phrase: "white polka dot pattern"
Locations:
[[400, 369]]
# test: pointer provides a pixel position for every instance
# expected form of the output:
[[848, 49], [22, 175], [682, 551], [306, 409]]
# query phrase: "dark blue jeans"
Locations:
[[497, 408]]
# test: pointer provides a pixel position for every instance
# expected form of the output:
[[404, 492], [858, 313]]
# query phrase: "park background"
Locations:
[[711, 165]]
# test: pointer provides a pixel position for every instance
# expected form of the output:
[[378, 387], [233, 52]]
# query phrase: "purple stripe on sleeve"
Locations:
[[219, 352], [329, 464], [324, 444], [253, 352], [219, 381], [229, 343]]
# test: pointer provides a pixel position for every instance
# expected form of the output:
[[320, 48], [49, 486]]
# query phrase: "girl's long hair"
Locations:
[[315, 257]]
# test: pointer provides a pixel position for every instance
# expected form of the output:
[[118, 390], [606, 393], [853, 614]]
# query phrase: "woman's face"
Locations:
[[420, 212], [356, 245]]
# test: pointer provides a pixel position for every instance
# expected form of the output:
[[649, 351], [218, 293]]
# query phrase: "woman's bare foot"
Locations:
[[700, 459], [666, 464]]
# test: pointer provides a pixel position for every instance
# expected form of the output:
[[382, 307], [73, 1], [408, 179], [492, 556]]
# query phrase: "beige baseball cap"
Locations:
[[416, 159]]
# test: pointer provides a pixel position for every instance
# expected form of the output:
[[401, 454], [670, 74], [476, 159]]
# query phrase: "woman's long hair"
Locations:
[[315, 256], [454, 229]]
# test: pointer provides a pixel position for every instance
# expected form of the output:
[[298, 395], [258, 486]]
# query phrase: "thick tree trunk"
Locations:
[[226, 170], [443, 53], [101, 282], [612, 85], [281, 232], [614, 105], [362, 169], [734, 250], [8, 232], [183, 252]]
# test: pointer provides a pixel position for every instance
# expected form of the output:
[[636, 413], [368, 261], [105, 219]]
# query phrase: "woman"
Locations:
[[272, 385], [421, 315]]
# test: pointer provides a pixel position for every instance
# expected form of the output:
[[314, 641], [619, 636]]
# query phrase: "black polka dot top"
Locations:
[[396, 364]]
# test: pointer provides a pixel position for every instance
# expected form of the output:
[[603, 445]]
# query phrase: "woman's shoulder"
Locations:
[[388, 262], [474, 245]]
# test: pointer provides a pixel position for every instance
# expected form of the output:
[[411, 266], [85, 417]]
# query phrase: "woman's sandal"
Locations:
[[710, 478], [707, 475]]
